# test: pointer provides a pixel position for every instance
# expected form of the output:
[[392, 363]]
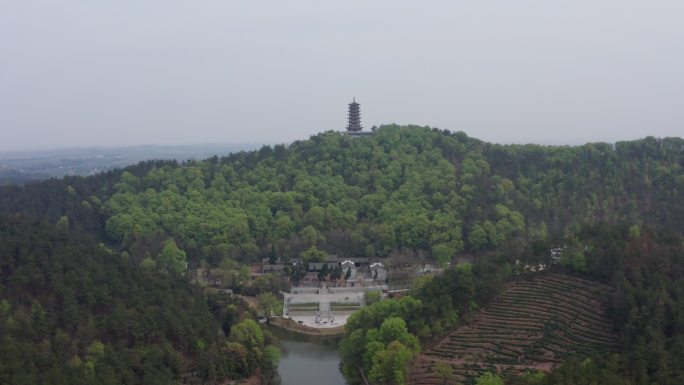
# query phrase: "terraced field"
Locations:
[[533, 325]]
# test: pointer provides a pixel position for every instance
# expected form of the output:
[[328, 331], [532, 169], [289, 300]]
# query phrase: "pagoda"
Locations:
[[354, 127], [354, 117]]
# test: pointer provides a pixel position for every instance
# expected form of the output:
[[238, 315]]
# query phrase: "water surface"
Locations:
[[308, 360]]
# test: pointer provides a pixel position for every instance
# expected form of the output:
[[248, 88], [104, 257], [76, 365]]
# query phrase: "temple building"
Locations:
[[354, 127]]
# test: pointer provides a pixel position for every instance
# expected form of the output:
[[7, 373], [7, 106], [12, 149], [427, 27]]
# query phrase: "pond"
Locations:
[[308, 360]]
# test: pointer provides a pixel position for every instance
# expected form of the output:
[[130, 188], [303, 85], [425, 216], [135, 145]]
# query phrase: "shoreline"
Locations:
[[292, 326]]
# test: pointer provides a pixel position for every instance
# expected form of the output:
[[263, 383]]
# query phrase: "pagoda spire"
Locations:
[[354, 121]]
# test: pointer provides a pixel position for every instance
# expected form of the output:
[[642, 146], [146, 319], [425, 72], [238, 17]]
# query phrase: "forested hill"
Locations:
[[404, 190], [71, 312], [92, 273]]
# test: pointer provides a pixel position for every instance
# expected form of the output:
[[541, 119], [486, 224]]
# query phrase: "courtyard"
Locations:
[[324, 307]]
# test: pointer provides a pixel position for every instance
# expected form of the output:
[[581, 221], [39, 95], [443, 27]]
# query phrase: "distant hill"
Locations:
[[18, 167]]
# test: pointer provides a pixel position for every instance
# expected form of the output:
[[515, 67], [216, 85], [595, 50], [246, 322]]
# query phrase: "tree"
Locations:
[[477, 238], [578, 261], [269, 367], [323, 272], [269, 305], [574, 257], [315, 217], [171, 257], [336, 273], [372, 296], [444, 372], [442, 254], [297, 273], [263, 283], [247, 333], [419, 282], [489, 379], [272, 256], [313, 255], [148, 263], [391, 365], [531, 378], [63, 223], [311, 236], [394, 329]]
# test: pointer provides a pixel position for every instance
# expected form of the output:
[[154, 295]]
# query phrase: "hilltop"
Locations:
[[405, 191]]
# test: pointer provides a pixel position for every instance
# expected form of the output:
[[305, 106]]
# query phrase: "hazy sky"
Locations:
[[120, 72]]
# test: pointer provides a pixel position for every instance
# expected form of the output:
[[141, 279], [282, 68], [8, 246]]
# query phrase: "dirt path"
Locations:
[[251, 301]]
